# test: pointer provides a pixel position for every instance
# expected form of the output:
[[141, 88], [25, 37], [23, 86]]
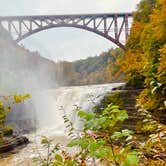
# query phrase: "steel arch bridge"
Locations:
[[114, 26]]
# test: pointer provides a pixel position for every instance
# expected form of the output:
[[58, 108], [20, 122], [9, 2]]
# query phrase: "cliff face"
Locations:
[[126, 98]]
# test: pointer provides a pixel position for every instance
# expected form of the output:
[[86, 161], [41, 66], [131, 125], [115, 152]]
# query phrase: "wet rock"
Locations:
[[12, 143]]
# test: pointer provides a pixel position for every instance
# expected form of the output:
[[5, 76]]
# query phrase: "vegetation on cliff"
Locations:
[[144, 62]]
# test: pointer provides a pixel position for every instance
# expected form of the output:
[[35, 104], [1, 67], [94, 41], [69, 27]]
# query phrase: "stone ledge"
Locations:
[[12, 143]]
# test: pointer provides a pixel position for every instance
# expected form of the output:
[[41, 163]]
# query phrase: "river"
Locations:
[[50, 106]]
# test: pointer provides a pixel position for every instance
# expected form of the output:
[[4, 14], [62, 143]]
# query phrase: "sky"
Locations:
[[66, 43]]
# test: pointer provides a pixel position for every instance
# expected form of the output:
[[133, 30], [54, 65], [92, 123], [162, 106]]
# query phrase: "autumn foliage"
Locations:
[[145, 60]]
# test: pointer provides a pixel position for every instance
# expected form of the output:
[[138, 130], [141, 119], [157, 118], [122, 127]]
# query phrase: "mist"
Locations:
[[22, 71]]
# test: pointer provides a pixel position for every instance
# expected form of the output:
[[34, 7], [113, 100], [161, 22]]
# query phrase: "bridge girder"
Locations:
[[114, 27]]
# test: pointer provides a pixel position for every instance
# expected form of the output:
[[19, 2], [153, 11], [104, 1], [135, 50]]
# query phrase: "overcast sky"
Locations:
[[66, 43]]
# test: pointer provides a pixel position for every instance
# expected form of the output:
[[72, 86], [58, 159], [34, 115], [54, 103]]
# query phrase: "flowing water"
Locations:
[[50, 106]]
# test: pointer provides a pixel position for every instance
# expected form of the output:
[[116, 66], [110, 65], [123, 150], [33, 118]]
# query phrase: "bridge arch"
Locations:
[[109, 26], [73, 26]]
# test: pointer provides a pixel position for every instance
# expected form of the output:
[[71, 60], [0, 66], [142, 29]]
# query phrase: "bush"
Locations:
[[137, 81], [8, 130], [96, 142]]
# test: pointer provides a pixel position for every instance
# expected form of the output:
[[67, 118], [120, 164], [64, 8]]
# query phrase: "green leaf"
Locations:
[[122, 115], [93, 146], [70, 162], [131, 158], [74, 143], [105, 112], [101, 120], [114, 107], [115, 110], [57, 164], [100, 153], [83, 143], [86, 115], [116, 135], [35, 159], [123, 133], [58, 158], [154, 89], [45, 140], [127, 132]]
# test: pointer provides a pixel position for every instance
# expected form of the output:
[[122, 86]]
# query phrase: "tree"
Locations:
[[143, 62]]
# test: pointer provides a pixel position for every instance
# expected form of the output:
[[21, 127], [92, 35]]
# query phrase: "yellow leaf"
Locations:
[[5, 97], [8, 109], [1, 104]]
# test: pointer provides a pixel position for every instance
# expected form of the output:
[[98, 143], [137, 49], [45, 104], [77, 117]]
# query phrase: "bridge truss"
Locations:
[[114, 27]]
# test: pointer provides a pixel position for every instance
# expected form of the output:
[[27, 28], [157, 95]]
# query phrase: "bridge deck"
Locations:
[[97, 15]]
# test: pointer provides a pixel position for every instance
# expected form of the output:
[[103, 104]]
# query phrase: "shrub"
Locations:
[[8, 130]]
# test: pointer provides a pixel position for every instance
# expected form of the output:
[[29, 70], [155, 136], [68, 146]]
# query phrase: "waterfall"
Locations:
[[52, 104], [49, 118]]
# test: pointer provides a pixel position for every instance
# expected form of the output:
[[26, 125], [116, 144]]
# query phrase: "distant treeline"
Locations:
[[93, 70]]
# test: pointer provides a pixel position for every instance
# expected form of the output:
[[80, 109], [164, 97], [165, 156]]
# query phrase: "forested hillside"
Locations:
[[144, 62], [93, 70], [99, 69]]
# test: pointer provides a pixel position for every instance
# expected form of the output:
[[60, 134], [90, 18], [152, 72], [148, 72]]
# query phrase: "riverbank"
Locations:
[[126, 98], [10, 143], [23, 155], [149, 133]]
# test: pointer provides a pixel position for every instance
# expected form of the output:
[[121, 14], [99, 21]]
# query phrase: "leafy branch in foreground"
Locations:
[[100, 142], [6, 103]]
